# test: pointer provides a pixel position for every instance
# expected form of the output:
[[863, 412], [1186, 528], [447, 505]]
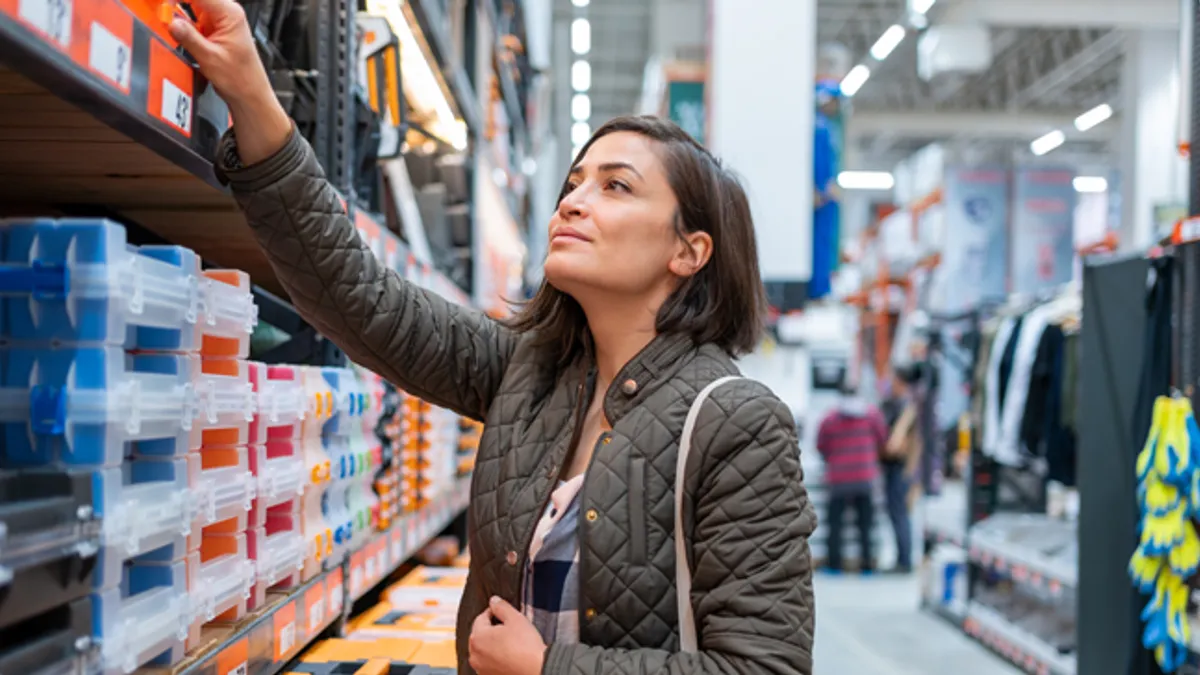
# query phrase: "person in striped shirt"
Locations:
[[851, 439]]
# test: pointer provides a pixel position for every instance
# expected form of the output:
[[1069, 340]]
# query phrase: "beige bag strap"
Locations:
[[688, 641]]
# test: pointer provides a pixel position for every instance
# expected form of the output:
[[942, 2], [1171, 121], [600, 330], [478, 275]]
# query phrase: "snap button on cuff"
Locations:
[[590, 614], [630, 387], [511, 558], [592, 515]]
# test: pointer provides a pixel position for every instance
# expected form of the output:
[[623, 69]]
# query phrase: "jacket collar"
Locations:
[[645, 372]]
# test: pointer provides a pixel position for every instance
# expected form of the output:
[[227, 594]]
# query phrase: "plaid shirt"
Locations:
[[551, 599]]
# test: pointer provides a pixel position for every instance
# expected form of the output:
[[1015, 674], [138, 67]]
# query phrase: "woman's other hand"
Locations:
[[513, 647], [223, 46]]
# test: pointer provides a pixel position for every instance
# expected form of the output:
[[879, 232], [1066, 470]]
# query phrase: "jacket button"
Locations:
[[590, 614], [592, 515], [629, 386], [512, 558]]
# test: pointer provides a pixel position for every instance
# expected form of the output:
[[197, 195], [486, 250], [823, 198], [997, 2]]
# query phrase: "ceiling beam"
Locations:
[[1076, 68], [1065, 13], [984, 125]]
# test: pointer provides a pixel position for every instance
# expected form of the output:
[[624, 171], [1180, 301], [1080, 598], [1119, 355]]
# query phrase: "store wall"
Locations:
[[760, 100]]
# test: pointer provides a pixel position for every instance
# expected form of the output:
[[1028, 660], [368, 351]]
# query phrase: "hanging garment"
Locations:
[[1008, 441], [992, 388]]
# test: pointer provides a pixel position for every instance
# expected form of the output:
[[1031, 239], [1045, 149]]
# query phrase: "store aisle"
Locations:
[[872, 626]]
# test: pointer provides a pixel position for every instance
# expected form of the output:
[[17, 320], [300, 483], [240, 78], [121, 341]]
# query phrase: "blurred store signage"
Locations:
[[1043, 228]]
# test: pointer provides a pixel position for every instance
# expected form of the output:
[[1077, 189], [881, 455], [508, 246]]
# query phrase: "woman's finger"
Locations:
[[189, 36]]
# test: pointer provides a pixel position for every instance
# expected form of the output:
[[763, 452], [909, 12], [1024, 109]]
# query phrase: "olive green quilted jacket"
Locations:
[[747, 514]]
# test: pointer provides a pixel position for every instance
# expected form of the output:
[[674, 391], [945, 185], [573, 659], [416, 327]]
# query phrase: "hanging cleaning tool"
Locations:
[[1168, 471]]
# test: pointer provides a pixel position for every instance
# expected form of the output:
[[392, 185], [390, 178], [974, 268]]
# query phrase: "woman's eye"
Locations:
[[618, 185], [570, 187]]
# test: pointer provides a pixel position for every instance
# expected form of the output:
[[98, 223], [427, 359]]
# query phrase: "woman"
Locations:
[[652, 285]]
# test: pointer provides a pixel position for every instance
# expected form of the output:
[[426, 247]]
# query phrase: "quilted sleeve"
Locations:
[[449, 355], [752, 571]]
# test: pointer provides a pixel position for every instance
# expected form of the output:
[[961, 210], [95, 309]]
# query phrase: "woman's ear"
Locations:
[[695, 250]]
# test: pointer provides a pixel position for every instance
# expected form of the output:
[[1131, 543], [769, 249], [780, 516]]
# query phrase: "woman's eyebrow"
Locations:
[[608, 167]]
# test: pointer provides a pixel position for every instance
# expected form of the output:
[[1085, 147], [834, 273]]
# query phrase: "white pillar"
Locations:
[[760, 97], [1152, 171]]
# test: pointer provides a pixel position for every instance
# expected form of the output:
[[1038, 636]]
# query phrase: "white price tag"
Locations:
[[51, 17], [381, 561], [176, 106], [110, 57], [239, 669], [398, 550], [1189, 230], [335, 599], [316, 616], [356, 579], [370, 568], [287, 638]]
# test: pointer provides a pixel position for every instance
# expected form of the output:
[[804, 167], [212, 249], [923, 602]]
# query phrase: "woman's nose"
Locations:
[[573, 205]]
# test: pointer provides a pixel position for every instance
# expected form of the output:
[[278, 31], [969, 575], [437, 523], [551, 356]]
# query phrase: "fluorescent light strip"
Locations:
[[580, 3], [581, 36], [866, 180], [1090, 184], [581, 107], [1050, 141], [580, 133], [581, 76], [920, 6], [887, 43], [1093, 117], [855, 79]]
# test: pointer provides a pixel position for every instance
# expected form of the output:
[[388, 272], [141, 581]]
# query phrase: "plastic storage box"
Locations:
[[49, 539], [78, 281], [144, 620], [227, 402], [57, 642], [228, 314], [282, 403], [223, 575], [146, 511], [224, 487], [86, 406]]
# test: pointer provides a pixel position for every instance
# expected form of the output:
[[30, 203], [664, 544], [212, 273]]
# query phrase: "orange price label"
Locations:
[[336, 592], [234, 659], [285, 630], [315, 609], [104, 44], [170, 96], [356, 574]]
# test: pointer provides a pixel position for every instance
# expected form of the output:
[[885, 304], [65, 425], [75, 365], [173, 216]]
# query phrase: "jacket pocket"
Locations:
[[637, 511]]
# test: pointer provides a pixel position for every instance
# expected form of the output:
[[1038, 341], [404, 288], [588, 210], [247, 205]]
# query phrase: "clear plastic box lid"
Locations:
[[225, 400], [227, 310], [279, 556], [281, 403], [153, 617], [281, 478], [225, 492], [221, 584], [78, 280], [80, 406], [142, 516]]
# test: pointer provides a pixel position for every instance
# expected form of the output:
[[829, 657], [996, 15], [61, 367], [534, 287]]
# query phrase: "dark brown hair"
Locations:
[[724, 303]]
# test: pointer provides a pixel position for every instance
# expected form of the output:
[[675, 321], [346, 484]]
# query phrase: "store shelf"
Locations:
[[433, 24], [1001, 550], [388, 550], [267, 640], [1025, 650]]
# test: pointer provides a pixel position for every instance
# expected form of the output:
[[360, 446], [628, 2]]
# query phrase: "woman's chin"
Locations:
[[561, 273]]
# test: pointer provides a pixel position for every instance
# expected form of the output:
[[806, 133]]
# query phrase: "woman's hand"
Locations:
[[512, 648], [223, 46]]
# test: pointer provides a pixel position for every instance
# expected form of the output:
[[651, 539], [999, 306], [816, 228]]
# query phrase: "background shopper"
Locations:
[[850, 439], [899, 460], [652, 287]]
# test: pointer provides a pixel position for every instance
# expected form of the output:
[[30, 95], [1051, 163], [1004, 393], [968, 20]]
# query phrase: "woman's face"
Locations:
[[614, 229]]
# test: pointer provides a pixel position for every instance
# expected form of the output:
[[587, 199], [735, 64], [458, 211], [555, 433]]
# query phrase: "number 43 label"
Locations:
[[176, 106]]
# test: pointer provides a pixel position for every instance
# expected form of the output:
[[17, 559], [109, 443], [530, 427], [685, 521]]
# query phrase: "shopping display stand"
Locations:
[[103, 115]]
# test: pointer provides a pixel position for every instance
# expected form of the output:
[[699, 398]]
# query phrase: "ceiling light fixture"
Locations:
[[1093, 117], [866, 180], [1050, 141], [581, 36], [891, 38], [580, 3], [581, 76], [581, 107], [580, 132], [1090, 184], [855, 79], [919, 6]]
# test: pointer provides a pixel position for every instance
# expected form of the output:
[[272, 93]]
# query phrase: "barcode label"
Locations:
[[287, 638], [110, 57], [176, 106], [51, 17], [240, 669], [370, 568], [335, 599], [316, 616]]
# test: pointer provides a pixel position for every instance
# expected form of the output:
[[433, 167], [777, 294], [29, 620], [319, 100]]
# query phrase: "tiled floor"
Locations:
[[873, 626]]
